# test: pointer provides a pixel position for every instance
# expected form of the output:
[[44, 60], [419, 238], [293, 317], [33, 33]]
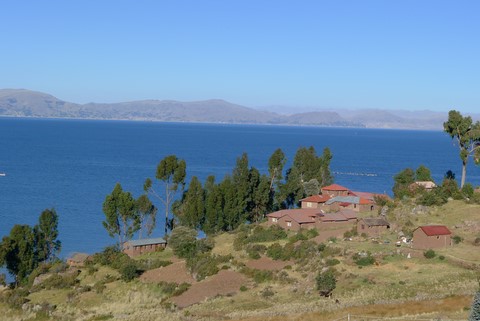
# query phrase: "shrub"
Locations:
[[173, 289], [243, 288], [183, 241], [275, 251], [128, 271], [441, 257], [363, 260], [255, 250], [429, 254], [203, 265], [457, 239], [260, 234], [15, 298], [332, 262], [267, 292], [151, 263], [326, 283]]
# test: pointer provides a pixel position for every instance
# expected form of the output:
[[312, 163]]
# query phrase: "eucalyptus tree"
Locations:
[[467, 136], [307, 167], [121, 216], [276, 162], [171, 172], [46, 234], [147, 215]]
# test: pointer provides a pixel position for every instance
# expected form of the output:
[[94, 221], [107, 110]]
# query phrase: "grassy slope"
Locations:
[[395, 286]]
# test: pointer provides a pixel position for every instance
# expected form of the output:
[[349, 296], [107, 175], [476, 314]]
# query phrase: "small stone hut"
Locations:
[[431, 237]]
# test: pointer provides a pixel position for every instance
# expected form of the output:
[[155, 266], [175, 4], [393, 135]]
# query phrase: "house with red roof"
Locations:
[[315, 201], [335, 190], [431, 237]]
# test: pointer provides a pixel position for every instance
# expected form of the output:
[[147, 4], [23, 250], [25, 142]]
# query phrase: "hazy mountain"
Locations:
[[26, 103]]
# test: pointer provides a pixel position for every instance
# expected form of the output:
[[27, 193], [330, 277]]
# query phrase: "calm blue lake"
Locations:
[[72, 165]]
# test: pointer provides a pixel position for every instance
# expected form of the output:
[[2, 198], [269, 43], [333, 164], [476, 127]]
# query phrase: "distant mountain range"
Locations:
[[27, 103]]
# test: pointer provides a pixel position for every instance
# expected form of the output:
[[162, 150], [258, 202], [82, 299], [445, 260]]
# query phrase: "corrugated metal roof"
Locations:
[[435, 230], [344, 199], [141, 242]]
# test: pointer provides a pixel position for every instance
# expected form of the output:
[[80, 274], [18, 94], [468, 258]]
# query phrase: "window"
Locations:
[[309, 204], [289, 223], [363, 227]]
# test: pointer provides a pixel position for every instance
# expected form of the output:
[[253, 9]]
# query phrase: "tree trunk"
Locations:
[[464, 174]]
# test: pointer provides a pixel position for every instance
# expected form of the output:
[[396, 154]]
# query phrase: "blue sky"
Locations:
[[411, 55]]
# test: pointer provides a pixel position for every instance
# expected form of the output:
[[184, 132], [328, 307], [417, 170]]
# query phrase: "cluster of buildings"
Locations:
[[337, 206]]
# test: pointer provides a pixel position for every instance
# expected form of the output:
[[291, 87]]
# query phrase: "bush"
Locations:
[[183, 241], [203, 265], [363, 260], [326, 283], [15, 298], [267, 292], [173, 289], [260, 234], [255, 250], [151, 263], [429, 254], [275, 251], [332, 262], [457, 239], [128, 271]]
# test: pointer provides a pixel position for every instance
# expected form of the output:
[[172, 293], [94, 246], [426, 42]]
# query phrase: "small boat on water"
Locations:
[[3, 174]]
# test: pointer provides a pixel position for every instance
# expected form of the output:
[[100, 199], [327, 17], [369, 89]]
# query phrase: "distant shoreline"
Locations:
[[214, 123]]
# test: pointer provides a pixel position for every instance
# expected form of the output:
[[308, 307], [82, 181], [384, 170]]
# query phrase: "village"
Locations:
[[332, 213]]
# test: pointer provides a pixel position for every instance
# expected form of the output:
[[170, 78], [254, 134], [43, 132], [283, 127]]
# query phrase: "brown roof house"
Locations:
[[315, 201], [136, 247], [294, 219], [431, 237], [372, 226]]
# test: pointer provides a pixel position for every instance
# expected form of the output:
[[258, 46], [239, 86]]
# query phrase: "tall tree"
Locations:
[[467, 135], [403, 180], [276, 162], [121, 216], [214, 215], [193, 208], [306, 167], [17, 252], [262, 196], [171, 171], [46, 234], [423, 174], [147, 215]]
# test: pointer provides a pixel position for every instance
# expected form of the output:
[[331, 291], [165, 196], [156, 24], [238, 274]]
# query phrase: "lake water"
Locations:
[[72, 165]]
